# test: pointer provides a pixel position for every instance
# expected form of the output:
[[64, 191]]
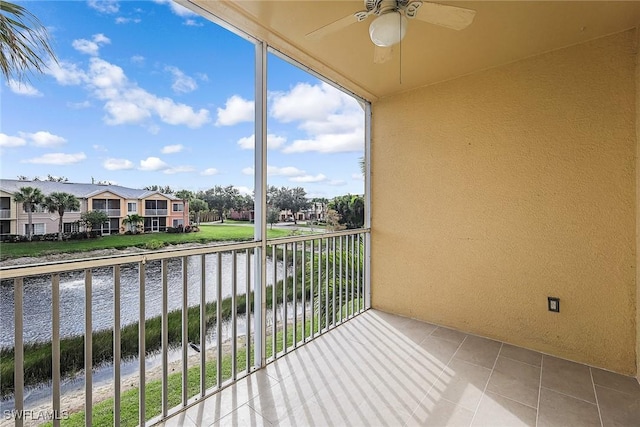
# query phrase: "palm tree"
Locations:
[[24, 42], [30, 198], [132, 221], [61, 203]]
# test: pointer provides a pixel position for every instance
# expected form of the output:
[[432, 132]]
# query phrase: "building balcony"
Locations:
[[150, 310], [156, 212], [110, 212], [5, 213]]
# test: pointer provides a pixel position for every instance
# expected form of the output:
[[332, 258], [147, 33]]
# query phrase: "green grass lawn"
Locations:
[[207, 234]]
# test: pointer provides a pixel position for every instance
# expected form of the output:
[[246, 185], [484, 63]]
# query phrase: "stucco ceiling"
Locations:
[[502, 32]]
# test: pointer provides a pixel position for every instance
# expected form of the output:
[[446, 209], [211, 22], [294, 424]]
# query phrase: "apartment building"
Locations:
[[158, 210]]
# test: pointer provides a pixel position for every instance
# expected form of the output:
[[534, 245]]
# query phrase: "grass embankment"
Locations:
[[37, 356], [207, 234]]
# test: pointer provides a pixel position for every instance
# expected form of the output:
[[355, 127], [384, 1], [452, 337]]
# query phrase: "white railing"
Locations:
[[5, 213], [110, 212], [309, 285], [156, 212]]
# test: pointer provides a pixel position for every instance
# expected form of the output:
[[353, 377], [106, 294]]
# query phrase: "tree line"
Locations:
[[341, 212]]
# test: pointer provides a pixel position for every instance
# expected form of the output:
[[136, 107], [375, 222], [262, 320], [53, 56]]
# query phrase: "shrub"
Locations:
[[154, 244]]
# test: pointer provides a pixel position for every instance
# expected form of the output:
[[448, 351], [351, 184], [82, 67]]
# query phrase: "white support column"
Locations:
[[260, 204], [367, 204]]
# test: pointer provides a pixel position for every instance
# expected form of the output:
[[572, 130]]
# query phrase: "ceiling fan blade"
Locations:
[[382, 54], [456, 18], [332, 27]]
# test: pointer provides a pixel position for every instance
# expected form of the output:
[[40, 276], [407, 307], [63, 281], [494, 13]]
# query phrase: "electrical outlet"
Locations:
[[553, 304]]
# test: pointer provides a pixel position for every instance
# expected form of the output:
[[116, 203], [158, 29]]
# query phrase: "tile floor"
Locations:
[[379, 369]]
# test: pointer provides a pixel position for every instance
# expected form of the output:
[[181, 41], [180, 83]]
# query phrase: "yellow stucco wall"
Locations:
[[492, 191], [637, 203]]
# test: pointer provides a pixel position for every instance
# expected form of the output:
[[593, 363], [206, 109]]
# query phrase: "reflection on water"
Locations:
[[37, 295]]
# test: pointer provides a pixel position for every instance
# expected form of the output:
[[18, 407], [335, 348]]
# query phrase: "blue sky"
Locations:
[[149, 93]]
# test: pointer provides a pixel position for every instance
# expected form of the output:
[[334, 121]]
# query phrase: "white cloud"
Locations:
[[181, 82], [43, 139], [273, 142], [104, 6], [210, 172], [57, 159], [100, 148], [170, 149], [117, 164], [23, 88], [328, 143], [123, 20], [192, 23], [128, 103], [79, 105], [244, 190], [65, 73], [203, 77], [7, 141], [357, 176], [176, 8], [236, 110], [288, 171], [332, 120], [309, 178], [91, 47], [124, 101], [306, 102], [137, 59], [153, 164], [179, 169]]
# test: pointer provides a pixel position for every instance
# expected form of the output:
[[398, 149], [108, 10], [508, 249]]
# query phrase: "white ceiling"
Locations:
[[502, 32]]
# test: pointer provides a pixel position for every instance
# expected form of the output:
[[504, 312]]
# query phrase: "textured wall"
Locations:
[[498, 189], [637, 203]]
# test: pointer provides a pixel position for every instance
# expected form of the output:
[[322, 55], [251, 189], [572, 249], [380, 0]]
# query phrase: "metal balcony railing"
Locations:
[[5, 213], [110, 212], [156, 212], [211, 315]]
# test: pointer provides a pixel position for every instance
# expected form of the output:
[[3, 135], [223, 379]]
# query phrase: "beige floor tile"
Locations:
[[379, 410], [615, 381], [416, 330], [243, 416], [618, 409], [516, 380], [479, 351], [438, 350], [283, 398], [449, 334], [461, 383], [314, 414], [560, 410], [498, 411], [521, 354], [387, 318], [178, 420], [568, 378], [380, 369], [440, 412], [220, 404]]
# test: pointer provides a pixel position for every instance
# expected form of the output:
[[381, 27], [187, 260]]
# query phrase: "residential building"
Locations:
[[158, 210]]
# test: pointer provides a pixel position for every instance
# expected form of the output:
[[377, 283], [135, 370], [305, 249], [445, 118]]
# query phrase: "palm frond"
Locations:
[[24, 43]]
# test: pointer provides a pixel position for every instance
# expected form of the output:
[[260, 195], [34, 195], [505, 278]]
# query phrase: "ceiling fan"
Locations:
[[390, 25]]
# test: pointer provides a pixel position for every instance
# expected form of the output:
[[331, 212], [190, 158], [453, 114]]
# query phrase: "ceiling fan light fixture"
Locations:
[[388, 29]]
